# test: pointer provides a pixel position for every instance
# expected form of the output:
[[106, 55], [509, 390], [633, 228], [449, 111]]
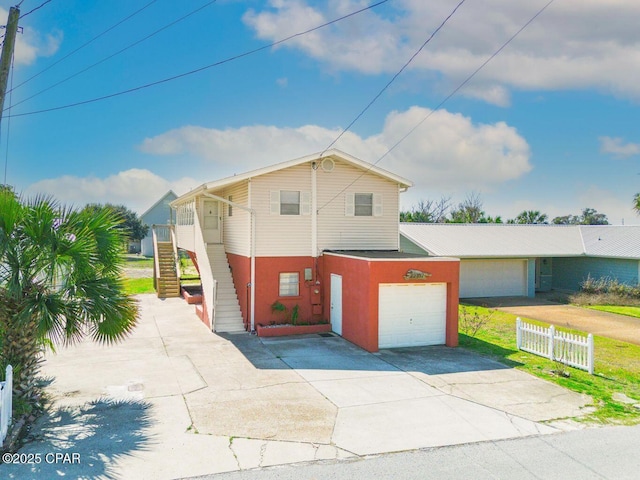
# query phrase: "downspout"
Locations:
[[314, 211], [252, 213]]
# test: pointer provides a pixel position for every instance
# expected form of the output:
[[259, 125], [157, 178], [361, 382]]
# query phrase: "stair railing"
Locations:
[[206, 273]]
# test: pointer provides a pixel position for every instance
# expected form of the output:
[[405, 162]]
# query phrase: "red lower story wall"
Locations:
[[241, 274], [361, 279]]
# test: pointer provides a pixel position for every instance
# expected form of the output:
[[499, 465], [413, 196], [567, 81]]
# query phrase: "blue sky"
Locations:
[[551, 123]]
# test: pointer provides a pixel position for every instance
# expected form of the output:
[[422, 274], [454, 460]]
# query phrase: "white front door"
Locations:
[[336, 303], [211, 221]]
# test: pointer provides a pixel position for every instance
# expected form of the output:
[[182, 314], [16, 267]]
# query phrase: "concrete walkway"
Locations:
[[604, 324], [175, 400]]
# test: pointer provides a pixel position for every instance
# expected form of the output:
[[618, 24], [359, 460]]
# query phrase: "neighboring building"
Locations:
[[319, 232], [518, 260], [159, 213]]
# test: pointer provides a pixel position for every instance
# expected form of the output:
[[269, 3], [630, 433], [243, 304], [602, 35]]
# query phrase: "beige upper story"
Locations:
[[297, 208]]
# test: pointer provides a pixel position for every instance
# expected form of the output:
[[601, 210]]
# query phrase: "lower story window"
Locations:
[[290, 284]]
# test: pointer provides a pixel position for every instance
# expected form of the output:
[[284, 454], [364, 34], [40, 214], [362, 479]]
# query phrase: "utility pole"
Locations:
[[7, 52]]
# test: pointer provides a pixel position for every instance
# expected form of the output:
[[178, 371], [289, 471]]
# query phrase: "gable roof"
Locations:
[[333, 153], [170, 194], [508, 240]]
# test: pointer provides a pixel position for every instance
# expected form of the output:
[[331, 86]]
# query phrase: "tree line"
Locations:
[[471, 210]]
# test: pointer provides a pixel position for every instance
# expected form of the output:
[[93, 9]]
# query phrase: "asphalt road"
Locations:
[[596, 453]]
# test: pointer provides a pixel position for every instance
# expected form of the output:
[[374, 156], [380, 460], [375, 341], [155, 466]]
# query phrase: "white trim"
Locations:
[[337, 154], [314, 211], [398, 259]]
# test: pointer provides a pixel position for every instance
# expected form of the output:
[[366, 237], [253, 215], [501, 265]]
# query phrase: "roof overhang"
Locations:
[[316, 157]]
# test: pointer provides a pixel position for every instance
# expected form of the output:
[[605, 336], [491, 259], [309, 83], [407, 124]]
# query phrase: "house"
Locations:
[[519, 260], [321, 233], [159, 213]]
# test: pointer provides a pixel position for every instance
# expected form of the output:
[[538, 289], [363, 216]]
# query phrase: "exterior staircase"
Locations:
[[167, 281], [228, 317]]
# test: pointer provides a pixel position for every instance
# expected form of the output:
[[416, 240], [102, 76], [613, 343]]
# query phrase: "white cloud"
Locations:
[[136, 188], [31, 44], [617, 146], [613, 204], [573, 44], [447, 151]]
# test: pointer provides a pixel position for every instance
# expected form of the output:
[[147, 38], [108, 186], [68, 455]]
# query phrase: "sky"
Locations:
[[550, 123]]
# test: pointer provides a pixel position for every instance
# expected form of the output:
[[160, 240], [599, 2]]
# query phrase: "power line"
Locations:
[[85, 44], [206, 67], [424, 44], [442, 102], [34, 9], [117, 53]]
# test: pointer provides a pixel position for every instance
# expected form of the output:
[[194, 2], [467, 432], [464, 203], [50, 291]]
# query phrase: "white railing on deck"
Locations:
[[206, 274], [185, 225], [6, 403], [570, 349]]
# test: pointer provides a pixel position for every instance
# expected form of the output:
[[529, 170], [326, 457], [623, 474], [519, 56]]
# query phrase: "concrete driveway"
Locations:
[[604, 324], [175, 400]]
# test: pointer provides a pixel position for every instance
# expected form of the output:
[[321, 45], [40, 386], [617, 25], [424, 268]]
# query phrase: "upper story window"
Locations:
[[290, 202], [363, 205]]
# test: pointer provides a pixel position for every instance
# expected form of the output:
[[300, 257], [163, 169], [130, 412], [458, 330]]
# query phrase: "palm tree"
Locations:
[[60, 280], [531, 217], [636, 203]]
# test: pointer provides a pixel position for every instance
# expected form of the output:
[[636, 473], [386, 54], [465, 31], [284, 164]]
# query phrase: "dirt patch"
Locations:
[[604, 324]]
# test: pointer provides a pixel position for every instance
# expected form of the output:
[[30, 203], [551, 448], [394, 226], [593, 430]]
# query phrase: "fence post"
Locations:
[[552, 334], [590, 354], [518, 333]]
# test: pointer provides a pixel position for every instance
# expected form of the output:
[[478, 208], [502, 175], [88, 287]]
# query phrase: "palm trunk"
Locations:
[[21, 349]]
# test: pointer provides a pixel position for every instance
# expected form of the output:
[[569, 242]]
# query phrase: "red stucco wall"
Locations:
[[241, 273], [268, 271], [360, 289]]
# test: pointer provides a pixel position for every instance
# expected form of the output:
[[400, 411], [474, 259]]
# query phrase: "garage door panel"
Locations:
[[412, 314], [493, 278]]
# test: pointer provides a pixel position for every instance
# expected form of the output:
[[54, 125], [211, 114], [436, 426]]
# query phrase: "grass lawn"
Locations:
[[138, 261], [621, 310], [134, 286], [617, 366]]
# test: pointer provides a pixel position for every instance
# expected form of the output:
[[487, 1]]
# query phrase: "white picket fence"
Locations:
[[574, 350], [6, 403]]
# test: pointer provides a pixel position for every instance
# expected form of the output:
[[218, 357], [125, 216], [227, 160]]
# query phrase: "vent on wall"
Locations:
[[328, 165]]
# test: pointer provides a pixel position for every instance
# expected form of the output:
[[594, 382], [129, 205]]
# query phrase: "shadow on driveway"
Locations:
[[322, 352], [82, 431]]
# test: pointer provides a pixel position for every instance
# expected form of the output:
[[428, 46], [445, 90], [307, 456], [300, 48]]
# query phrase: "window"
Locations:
[[363, 205], [289, 203], [290, 284], [230, 207]]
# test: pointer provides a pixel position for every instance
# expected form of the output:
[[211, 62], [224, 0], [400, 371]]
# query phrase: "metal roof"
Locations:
[[508, 240]]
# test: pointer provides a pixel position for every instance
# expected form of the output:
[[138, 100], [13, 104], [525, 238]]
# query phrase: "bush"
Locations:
[[471, 322], [606, 291]]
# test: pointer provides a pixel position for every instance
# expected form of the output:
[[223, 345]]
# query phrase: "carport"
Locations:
[[388, 299]]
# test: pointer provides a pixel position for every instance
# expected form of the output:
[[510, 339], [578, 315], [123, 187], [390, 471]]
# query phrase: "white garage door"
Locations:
[[493, 278], [412, 314]]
